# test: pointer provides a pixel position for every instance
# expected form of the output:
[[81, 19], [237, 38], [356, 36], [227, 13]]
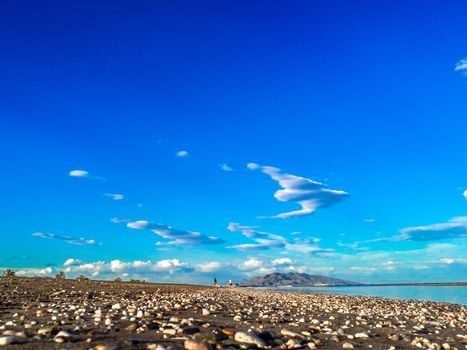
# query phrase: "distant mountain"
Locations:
[[295, 279]]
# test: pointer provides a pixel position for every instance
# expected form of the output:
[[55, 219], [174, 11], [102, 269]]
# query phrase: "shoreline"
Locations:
[[41, 314], [453, 284]]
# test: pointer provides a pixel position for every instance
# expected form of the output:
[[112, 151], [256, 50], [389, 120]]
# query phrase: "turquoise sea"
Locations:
[[457, 295]]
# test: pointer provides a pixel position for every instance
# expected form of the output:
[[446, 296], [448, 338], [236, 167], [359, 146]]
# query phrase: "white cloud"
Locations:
[[93, 269], [455, 228], [172, 269], [461, 66], [306, 246], [247, 231], [310, 195], [170, 265], [264, 240], [390, 265], [356, 244], [79, 173], [226, 167], [115, 196], [182, 154], [72, 262], [209, 266], [137, 268], [281, 262], [369, 221], [251, 264], [84, 174], [176, 237], [465, 194], [70, 240], [31, 272]]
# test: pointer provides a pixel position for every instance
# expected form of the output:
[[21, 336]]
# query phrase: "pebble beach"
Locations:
[[40, 313]]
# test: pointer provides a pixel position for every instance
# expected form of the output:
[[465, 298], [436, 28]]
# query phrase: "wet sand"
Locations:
[[38, 313]]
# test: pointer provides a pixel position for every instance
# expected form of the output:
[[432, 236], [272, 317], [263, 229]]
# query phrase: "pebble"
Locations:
[[361, 335], [290, 334], [45, 330], [7, 340], [192, 344], [347, 345], [205, 312], [249, 338], [62, 337]]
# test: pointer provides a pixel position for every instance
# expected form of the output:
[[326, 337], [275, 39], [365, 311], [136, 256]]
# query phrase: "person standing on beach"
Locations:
[[215, 282]]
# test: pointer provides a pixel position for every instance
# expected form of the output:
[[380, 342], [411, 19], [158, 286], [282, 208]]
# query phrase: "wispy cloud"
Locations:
[[450, 261], [369, 221], [70, 240], [455, 228], [465, 194], [175, 236], [363, 269], [266, 240], [182, 154], [84, 174], [115, 196], [461, 66], [366, 241], [310, 195], [226, 167]]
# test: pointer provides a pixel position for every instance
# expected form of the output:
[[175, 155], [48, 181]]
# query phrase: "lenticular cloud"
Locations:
[[175, 236], [310, 195]]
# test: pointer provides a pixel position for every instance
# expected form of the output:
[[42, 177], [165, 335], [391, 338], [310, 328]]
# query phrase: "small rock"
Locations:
[[45, 330], [249, 338], [290, 334], [117, 306], [110, 346], [228, 332], [129, 326], [9, 333], [311, 345], [62, 337], [346, 345], [293, 343], [155, 347], [205, 312], [192, 344], [7, 340], [361, 335]]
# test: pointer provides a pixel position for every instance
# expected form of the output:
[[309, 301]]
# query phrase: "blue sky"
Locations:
[[178, 141]]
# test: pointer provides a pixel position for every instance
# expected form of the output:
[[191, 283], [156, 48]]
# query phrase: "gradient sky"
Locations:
[[147, 139]]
